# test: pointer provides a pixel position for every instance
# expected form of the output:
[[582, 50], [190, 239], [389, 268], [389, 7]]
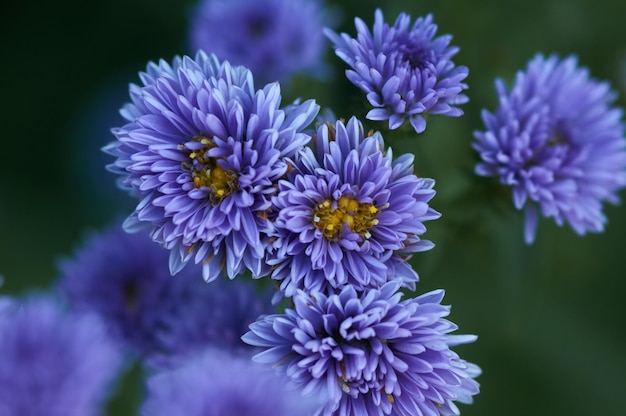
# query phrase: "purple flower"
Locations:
[[275, 39], [215, 383], [124, 279], [556, 140], [216, 315], [202, 151], [404, 69], [369, 352], [349, 214], [51, 362]]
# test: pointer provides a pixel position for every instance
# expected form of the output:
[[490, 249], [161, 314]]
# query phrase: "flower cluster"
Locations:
[[228, 178], [292, 235], [269, 265]]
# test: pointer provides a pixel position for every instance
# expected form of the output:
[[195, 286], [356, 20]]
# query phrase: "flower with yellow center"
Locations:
[[349, 214], [203, 150], [206, 172]]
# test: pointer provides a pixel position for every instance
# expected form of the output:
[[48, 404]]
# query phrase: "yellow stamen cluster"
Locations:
[[343, 379], [330, 216], [205, 171]]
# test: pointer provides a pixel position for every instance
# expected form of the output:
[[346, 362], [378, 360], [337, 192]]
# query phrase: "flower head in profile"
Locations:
[[124, 279], [53, 362], [203, 151], [275, 39], [558, 142], [370, 352], [404, 69], [350, 214], [215, 383]]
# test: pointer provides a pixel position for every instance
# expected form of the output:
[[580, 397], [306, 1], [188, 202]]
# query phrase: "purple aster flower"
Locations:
[[203, 152], [124, 278], [369, 352], [556, 140], [273, 38], [215, 383], [404, 69], [349, 214], [216, 315], [53, 363]]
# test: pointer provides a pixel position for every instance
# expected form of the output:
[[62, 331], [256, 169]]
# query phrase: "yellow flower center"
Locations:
[[330, 217], [205, 171]]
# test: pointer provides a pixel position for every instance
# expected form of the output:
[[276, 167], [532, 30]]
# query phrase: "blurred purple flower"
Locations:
[[215, 383], [202, 152], [349, 214], [369, 352], [275, 39], [556, 140], [216, 316], [51, 362], [124, 279], [404, 69]]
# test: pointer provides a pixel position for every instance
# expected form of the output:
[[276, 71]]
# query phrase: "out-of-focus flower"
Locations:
[[275, 39], [558, 142], [404, 69], [52, 362], [217, 316], [203, 152], [215, 383], [124, 278], [369, 352], [349, 214]]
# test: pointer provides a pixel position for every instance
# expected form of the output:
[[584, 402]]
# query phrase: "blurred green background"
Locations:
[[551, 317]]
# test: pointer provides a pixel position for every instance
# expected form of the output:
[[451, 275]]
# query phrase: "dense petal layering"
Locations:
[[349, 214], [203, 151], [558, 142], [404, 69], [369, 352]]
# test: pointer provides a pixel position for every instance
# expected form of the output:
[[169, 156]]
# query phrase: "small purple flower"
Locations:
[[202, 151], [349, 214], [53, 363], [124, 279], [556, 140], [369, 352], [275, 39], [215, 383], [404, 69]]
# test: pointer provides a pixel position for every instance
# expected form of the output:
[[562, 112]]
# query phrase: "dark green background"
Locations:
[[550, 317]]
